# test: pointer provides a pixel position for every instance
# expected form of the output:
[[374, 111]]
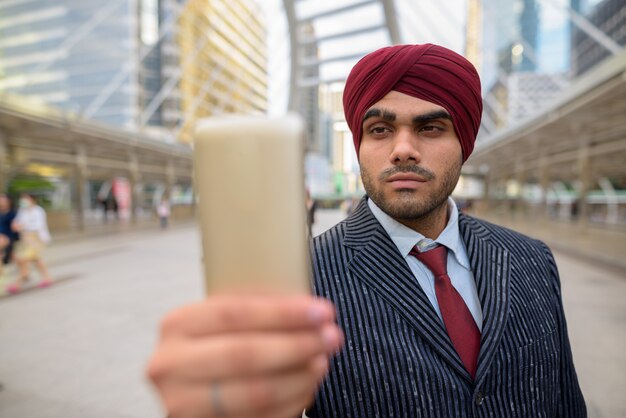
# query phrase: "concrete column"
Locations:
[[194, 195], [496, 181], [487, 189], [194, 189], [135, 185], [80, 171], [510, 202], [4, 162], [170, 178], [544, 183], [521, 177], [584, 178]]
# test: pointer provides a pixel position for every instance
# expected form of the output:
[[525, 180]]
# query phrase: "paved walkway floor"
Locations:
[[78, 349]]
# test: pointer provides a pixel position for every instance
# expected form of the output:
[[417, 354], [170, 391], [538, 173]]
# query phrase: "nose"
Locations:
[[405, 148]]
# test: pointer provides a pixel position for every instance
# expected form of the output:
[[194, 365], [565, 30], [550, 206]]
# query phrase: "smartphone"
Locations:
[[249, 176]]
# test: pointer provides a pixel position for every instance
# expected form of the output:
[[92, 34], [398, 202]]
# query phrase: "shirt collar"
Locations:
[[405, 238]]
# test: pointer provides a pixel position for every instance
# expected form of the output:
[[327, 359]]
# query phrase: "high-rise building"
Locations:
[[309, 97], [528, 91], [64, 52], [609, 16], [473, 38], [223, 60], [510, 38], [140, 64], [524, 58]]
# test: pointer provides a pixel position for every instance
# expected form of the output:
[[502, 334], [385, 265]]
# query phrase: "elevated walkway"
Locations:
[[595, 244]]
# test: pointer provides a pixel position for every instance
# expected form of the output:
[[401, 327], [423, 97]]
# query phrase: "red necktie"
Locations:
[[457, 318]]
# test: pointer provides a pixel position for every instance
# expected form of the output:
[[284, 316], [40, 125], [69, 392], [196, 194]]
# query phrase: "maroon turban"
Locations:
[[428, 72]]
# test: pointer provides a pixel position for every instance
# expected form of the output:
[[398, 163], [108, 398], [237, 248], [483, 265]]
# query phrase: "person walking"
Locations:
[[7, 235], [31, 223], [163, 211], [421, 310]]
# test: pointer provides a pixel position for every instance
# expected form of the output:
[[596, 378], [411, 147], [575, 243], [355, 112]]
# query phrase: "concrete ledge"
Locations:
[[596, 244]]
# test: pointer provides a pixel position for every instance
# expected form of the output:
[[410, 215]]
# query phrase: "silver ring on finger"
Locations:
[[216, 401]]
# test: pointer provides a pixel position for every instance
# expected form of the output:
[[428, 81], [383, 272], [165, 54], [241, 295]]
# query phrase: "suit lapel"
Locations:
[[491, 267], [379, 264]]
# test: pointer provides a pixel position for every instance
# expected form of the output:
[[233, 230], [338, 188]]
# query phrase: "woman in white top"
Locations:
[[32, 225]]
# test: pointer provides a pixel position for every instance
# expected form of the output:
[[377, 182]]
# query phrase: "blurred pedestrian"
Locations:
[[105, 213], [7, 235], [311, 208], [163, 211], [32, 225], [114, 206]]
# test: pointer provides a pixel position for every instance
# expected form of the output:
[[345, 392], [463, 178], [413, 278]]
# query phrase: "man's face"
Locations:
[[410, 156]]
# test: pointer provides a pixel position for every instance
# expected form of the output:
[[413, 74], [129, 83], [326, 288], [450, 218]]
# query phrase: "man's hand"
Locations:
[[244, 356]]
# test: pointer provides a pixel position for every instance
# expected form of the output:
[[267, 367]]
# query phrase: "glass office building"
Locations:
[[139, 64], [64, 52], [223, 60], [524, 58], [610, 17]]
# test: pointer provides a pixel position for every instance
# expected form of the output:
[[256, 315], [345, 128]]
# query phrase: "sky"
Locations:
[[436, 21]]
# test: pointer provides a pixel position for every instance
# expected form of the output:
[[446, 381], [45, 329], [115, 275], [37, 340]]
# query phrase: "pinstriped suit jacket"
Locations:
[[398, 360]]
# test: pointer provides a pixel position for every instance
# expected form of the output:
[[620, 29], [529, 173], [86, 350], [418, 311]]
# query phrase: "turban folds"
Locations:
[[428, 72]]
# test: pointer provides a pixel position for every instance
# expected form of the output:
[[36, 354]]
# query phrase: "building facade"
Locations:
[[524, 58], [223, 60], [610, 17], [153, 66], [64, 53]]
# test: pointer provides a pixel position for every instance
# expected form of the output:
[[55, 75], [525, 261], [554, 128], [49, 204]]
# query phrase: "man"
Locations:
[[439, 314]]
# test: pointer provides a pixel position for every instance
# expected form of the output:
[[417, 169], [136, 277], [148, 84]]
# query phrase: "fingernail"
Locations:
[[317, 314], [329, 334]]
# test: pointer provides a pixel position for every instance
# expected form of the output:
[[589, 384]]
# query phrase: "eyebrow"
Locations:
[[431, 116], [417, 120], [377, 113]]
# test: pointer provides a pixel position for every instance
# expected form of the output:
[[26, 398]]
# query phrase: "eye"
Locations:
[[431, 130], [378, 131]]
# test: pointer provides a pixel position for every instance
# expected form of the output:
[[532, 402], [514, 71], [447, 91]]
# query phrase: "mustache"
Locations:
[[412, 168]]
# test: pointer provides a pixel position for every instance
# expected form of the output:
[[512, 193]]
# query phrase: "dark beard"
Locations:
[[405, 206]]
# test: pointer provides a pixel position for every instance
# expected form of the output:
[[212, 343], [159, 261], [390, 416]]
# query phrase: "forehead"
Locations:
[[401, 102]]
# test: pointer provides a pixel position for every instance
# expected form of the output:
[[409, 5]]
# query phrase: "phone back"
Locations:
[[249, 175]]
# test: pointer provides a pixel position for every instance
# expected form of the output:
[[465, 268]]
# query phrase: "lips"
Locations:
[[406, 177], [406, 181]]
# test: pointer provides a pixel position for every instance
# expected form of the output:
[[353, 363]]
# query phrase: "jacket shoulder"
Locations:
[[497, 234], [330, 240]]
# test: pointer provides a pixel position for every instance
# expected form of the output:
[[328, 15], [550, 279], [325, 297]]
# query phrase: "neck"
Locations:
[[432, 224]]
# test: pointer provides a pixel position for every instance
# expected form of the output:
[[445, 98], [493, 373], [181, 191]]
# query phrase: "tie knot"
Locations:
[[435, 259]]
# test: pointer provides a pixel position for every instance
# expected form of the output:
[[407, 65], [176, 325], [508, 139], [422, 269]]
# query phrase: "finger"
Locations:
[[182, 401], [252, 397], [292, 409], [224, 313], [226, 357], [269, 393]]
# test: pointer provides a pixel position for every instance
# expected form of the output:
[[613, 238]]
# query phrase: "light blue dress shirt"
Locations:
[[458, 263]]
